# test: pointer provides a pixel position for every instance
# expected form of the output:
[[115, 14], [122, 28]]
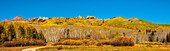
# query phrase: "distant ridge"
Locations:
[[41, 19], [5, 20], [18, 18]]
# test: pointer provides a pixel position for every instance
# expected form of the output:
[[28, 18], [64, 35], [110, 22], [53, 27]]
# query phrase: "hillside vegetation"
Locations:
[[118, 22], [19, 29]]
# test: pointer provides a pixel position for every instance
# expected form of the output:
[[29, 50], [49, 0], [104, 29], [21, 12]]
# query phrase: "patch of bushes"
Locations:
[[151, 43], [99, 44], [58, 22], [26, 42], [148, 45], [122, 41], [57, 43], [85, 41], [72, 42], [107, 42], [119, 41], [89, 41], [60, 47], [167, 43], [92, 42]]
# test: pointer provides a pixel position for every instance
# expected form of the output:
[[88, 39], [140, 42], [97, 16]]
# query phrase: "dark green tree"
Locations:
[[22, 32], [41, 35], [1, 29], [11, 32], [151, 38], [168, 37]]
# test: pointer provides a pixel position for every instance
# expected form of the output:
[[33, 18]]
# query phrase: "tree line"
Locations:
[[18, 30]]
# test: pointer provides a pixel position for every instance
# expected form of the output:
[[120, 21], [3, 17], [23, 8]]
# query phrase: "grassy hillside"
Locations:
[[119, 22]]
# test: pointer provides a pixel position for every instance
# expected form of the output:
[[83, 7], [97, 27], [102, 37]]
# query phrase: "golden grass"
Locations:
[[152, 43], [15, 48], [137, 47]]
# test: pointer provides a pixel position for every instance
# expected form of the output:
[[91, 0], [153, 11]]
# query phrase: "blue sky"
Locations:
[[156, 11]]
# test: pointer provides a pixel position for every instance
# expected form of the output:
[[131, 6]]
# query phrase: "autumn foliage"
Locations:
[[152, 43], [26, 42], [28, 30], [118, 41], [72, 42], [89, 41], [106, 42], [18, 30], [122, 41], [57, 43]]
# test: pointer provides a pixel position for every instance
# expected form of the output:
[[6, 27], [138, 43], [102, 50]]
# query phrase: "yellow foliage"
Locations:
[[151, 43], [72, 42], [134, 33]]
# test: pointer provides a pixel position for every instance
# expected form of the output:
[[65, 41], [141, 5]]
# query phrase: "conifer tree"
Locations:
[[11, 33], [22, 32]]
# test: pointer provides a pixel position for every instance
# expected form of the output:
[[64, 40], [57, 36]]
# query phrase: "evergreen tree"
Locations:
[[1, 29], [41, 36], [11, 33], [168, 37], [151, 38]]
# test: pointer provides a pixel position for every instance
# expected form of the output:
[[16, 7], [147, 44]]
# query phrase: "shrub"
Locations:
[[89, 41], [57, 43], [72, 42], [148, 45], [107, 42], [58, 22], [85, 41], [60, 47], [92, 42], [25, 42], [151, 43], [99, 44], [87, 44], [122, 41], [167, 43]]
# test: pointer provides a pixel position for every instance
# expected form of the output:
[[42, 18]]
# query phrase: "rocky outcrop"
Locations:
[[18, 18], [88, 17], [37, 19], [54, 34], [133, 20], [91, 17]]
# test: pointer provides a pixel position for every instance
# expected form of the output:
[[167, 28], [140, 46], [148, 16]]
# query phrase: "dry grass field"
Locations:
[[15, 48], [137, 47]]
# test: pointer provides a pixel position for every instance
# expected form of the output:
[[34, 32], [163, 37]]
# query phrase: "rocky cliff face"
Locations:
[[54, 34]]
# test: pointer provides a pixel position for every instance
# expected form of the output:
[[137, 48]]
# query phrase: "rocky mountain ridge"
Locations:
[[19, 18]]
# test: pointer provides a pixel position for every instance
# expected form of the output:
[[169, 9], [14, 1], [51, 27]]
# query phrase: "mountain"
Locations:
[[5, 20], [18, 18]]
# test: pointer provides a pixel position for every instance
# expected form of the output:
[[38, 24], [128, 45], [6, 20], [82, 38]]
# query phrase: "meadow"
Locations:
[[137, 47], [15, 48]]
